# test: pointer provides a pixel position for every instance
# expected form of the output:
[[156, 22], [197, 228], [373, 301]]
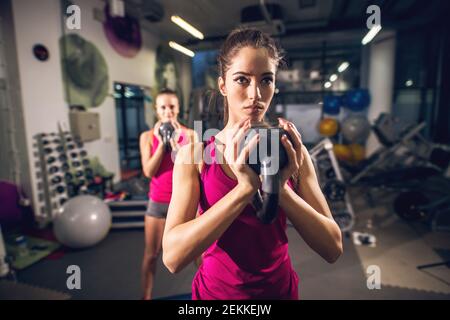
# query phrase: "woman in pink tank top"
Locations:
[[211, 213], [157, 164]]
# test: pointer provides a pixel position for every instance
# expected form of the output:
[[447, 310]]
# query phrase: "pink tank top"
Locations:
[[250, 260], [161, 182]]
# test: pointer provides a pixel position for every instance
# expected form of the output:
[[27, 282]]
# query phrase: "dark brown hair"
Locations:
[[245, 37], [166, 91]]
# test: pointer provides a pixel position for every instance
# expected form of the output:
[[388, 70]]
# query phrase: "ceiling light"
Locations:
[[371, 34], [343, 66], [186, 26], [327, 85], [182, 49], [333, 77], [314, 74]]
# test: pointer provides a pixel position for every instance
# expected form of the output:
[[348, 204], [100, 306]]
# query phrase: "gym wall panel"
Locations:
[[306, 118], [381, 80]]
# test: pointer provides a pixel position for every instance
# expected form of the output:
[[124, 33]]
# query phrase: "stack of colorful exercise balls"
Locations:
[[329, 126], [350, 153], [357, 100], [354, 129]]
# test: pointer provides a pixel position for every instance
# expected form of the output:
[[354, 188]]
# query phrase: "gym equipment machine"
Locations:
[[332, 183]]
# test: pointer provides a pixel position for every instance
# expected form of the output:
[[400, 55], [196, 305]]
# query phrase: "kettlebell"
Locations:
[[166, 130], [268, 159]]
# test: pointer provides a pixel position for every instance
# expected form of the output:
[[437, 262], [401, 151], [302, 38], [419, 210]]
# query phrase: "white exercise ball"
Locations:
[[355, 129], [83, 221]]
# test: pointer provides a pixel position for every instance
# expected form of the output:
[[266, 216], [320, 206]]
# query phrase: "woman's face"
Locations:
[[167, 107], [249, 84]]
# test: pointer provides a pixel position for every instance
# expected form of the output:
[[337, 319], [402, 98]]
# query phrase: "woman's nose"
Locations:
[[254, 92]]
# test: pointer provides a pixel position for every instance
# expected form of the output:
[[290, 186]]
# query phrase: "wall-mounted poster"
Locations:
[[123, 34], [85, 72], [166, 73]]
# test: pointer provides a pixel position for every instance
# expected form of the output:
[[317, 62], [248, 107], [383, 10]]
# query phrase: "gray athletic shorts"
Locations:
[[157, 209]]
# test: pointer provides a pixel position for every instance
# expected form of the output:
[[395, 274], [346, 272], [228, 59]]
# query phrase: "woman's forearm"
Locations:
[[151, 165], [185, 242], [321, 233]]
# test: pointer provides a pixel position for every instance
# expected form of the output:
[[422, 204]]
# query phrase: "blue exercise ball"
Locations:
[[357, 100], [83, 221], [332, 104]]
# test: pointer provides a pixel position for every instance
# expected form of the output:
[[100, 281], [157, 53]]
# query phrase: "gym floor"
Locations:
[[111, 270]]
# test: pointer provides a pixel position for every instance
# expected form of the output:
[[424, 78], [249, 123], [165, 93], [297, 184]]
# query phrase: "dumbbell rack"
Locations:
[[61, 161], [341, 205]]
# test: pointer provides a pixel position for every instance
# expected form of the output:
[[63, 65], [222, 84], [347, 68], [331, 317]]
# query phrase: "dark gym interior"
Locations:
[[366, 83]]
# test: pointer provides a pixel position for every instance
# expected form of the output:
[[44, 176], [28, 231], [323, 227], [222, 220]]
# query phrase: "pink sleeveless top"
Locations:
[[161, 182], [250, 260]]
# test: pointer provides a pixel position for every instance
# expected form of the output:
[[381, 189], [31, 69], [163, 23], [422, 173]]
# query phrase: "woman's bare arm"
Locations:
[[150, 164], [309, 213]]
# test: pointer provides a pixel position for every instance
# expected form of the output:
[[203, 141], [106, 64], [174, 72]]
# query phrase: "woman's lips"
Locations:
[[254, 109]]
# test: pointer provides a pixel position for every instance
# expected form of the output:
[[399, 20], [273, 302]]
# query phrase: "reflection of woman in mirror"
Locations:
[[157, 164]]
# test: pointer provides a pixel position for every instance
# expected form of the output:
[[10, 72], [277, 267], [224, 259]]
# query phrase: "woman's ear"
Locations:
[[222, 88]]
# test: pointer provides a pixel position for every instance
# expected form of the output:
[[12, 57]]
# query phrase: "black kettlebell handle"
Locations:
[[166, 130], [266, 199]]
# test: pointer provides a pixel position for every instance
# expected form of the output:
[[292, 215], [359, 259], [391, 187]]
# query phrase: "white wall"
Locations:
[[41, 82], [41, 92], [381, 81]]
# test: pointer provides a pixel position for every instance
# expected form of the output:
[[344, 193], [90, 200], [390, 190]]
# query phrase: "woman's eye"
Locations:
[[241, 80], [267, 81]]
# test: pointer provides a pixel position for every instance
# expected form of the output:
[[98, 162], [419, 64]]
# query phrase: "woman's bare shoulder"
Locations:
[[146, 135], [191, 154]]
